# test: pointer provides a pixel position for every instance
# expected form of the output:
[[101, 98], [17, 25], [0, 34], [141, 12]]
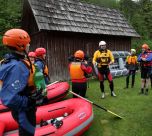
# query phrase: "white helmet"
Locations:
[[133, 50], [102, 43]]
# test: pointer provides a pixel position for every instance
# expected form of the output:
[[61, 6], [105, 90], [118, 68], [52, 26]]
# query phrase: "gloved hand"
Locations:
[[44, 92], [98, 60], [37, 95]]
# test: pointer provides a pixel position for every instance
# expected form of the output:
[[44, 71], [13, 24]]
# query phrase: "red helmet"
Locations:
[[32, 54], [145, 46], [16, 38], [40, 51], [79, 54]]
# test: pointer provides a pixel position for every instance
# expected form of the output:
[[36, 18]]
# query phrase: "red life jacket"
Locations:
[[148, 63]]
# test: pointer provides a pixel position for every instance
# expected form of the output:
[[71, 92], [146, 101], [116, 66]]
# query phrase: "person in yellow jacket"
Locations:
[[102, 59], [132, 66]]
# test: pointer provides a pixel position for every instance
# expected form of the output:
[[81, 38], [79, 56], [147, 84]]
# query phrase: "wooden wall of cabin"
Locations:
[[60, 45]]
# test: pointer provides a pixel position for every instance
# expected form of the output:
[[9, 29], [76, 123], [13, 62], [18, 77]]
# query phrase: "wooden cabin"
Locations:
[[64, 26]]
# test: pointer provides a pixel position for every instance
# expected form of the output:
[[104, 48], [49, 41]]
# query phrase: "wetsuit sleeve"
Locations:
[[86, 69], [139, 58], [94, 57], [149, 58], [14, 79]]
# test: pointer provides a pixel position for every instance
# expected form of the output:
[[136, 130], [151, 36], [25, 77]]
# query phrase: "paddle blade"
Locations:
[[115, 114]]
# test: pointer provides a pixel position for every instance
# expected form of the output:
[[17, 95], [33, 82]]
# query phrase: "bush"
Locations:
[[3, 50]]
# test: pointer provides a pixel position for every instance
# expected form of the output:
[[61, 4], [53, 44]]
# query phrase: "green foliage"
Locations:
[[105, 3], [139, 15], [10, 17], [3, 51], [10, 14]]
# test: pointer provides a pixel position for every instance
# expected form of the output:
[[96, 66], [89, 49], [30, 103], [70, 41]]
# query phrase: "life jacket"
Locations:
[[103, 57], [46, 71], [36, 78], [75, 71], [132, 60], [32, 72], [145, 63]]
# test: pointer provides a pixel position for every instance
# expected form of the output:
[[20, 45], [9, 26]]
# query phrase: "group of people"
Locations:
[[23, 79], [102, 58], [79, 69], [144, 61], [24, 75]]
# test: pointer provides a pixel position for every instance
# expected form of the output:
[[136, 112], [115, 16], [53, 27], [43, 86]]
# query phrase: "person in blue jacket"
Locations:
[[15, 92], [41, 63], [145, 59]]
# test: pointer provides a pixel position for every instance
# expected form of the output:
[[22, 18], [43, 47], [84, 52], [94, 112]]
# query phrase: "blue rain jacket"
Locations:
[[14, 75]]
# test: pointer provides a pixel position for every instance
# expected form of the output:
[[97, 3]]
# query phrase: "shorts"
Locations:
[[145, 72]]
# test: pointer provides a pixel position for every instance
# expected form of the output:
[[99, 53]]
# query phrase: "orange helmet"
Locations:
[[79, 54], [145, 46], [16, 38], [40, 51], [32, 54]]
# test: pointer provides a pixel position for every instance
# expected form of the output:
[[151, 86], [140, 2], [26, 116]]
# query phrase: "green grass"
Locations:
[[136, 110]]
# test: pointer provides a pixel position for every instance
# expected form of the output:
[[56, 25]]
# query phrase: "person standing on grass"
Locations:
[[102, 59], [79, 69], [132, 66], [151, 73], [145, 59]]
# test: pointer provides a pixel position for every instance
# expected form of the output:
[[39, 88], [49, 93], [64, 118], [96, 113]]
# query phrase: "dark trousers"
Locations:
[[31, 116], [105, 72], [79, 88], [133, 73]]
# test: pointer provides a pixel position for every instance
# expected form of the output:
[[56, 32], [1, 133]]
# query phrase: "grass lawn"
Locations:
[[136, 110]]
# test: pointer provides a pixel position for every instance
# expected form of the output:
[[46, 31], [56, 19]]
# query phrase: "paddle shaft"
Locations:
[[52, 83], [96, 104]]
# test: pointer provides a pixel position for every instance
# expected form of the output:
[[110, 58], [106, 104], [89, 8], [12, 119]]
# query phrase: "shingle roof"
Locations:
[[75, 16]]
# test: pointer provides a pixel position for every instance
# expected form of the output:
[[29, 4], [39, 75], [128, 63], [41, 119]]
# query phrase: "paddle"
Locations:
[[53, 83], [96, 105]]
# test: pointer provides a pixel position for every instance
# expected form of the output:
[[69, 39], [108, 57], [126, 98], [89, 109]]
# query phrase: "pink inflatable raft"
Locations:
[[55, 92], [74, 116]]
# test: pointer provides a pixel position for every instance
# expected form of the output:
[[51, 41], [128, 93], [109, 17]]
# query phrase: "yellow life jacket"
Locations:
[[75, 71], [32, 72], [103, 58], [131, 60]]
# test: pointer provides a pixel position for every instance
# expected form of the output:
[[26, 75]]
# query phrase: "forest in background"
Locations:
[[138, 14]]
